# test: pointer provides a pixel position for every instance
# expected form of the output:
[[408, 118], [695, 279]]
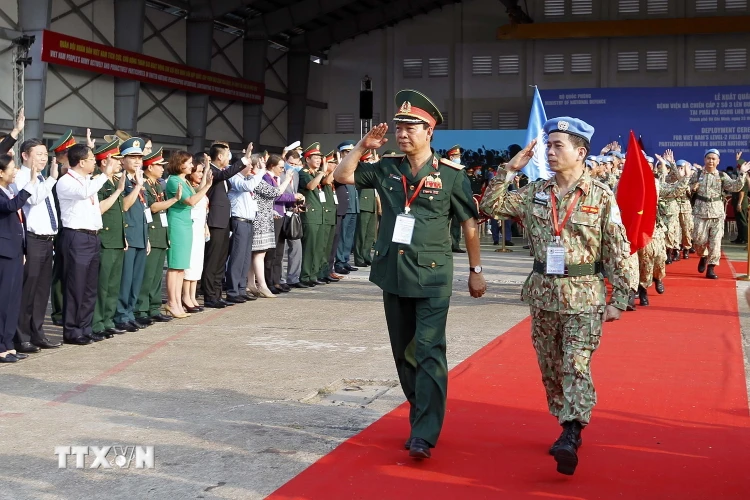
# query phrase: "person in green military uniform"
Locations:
[[367, 221], [577, 238], [413, 264], [310, 185], [476, 179], [137, 216], [112, 240], [454, 154], [328, 229], [148, 307]]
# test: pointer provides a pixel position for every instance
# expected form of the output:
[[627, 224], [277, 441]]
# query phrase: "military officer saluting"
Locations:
[[577, 236], [413, 263], [310, 185], [112, 240]]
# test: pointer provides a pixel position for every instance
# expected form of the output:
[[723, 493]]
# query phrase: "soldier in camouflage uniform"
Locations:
[[708, 212], [685, 216], [577, 237], [669, 207]]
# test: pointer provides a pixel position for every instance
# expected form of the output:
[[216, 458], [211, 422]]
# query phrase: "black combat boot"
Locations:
[[642, 295], [566, 453], [669, 256], [631, 301], [685, 253], [710, 274], [675, 255], [702, 264], [557, 443], [659, 285]]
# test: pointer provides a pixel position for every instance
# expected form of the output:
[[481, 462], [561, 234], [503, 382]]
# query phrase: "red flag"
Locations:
[[636, 197]]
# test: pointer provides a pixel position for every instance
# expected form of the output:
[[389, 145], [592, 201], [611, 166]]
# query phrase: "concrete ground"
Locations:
[[235, 401]]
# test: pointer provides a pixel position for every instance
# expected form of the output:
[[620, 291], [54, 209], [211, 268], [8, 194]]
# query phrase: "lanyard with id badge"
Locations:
[[556, 250], [404, 228]]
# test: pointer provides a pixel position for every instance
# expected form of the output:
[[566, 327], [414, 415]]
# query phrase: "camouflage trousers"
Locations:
[[652, 260], [564, 345], [686, 227], [632, 273], [672, 231], [707, 235]]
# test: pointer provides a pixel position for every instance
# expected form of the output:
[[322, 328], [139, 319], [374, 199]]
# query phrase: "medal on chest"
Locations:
[[433, 181]]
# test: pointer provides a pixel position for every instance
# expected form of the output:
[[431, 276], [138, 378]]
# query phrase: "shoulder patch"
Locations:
[[306, 170], [451, 164], [601, 185]]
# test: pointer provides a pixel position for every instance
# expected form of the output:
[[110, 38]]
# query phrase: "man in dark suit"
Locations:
[[217, 248], [346, 212]]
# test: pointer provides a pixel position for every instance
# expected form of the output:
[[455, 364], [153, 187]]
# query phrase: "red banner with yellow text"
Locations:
[[95, 57]]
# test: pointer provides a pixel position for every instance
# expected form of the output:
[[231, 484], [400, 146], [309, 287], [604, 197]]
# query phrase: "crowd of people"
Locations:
[[93, 228]]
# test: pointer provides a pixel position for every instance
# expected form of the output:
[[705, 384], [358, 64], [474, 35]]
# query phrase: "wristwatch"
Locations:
[[476, 269]]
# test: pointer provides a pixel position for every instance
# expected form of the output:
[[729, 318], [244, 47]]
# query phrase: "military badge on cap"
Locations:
[[111, 149], [346, 146], [569, 125], [415, 107], [312, 150], [132, 147], [154, 158], [63, 142], [563, 126]]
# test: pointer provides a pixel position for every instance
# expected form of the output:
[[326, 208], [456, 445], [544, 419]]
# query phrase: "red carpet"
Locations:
[[672, 419]]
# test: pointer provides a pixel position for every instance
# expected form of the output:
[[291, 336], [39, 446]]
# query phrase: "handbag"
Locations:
[[292, 227]]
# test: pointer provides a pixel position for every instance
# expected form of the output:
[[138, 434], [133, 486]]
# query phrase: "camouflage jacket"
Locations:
[[667, 192], [668, 198], [594, 233], [709, 199]]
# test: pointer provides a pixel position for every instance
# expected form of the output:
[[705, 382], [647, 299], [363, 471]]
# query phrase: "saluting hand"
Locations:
[[375, 138], [522, 158]]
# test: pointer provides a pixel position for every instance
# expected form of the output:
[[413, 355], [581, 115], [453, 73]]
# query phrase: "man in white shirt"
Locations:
[[81, 218], [42, 224]]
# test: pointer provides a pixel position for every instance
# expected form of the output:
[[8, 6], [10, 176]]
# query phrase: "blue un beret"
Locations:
[[649, 159], [572, 126], [592, 158], [714, 151], [682, 163], [589, 163], [608, 159], [345, 146], [617, 154]]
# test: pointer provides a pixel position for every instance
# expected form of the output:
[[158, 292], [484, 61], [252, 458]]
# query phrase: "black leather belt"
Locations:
[[242, 220], [708, 200], [84, 231], [571, 270], [43, 237]]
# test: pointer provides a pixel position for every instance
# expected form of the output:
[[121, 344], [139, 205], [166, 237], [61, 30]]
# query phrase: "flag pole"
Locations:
[[503, 249]]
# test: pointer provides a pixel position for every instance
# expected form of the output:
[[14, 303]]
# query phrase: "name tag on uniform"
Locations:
[[322, 196], [149, 217], [163, 219], [335, 199], [404, 229], [555, 259]]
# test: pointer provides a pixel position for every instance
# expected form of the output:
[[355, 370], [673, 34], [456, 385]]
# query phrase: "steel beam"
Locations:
[[298, 69], [130, 18], [200, 37], [33, 18], [253, 68], [294, 15]]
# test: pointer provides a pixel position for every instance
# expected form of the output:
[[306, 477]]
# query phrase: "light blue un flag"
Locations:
[[538, 166]]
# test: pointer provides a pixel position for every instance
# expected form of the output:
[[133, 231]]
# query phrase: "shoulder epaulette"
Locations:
[[306, 170], [601, 184], [451, 164]]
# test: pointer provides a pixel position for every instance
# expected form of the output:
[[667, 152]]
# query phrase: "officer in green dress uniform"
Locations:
[[112, 238], [137, 216], [60, 150], [310, 185], [148, 307], [454, 154], [367, 222], [413, 263], [328, 229]]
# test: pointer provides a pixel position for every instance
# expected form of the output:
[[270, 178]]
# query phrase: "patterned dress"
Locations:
[[264, 236]]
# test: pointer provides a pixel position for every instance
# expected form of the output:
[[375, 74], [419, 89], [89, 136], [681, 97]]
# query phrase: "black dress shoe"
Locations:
[[20, 355], [274, 290], [191, 310], [161, 318], [115, 331], [320, 282], [363, 264], [341, 270], [136, 326], [46, 344], [351, 268], [509, 243], [105, 334], [143, 322], [458, 250], [299, 285], [79, 341], [407, 444], [419, 449], [250, 297], [57, 322], [9, 358], [96, 338], [27, 347], [215, 305], [226, 302], [235, 299], [127, 327], [283, 288]]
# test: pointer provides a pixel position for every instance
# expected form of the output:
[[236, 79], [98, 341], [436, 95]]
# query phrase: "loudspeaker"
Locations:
[[365, 104]]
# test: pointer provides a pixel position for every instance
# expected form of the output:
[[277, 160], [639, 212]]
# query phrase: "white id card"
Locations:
[[163, 219], [335, 199], [149, 217], [555, 259], [404, 229], [322, 195]]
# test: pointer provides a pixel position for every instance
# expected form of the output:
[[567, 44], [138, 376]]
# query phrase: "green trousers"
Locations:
[[364, 237], [57, 288], [564, 345], [416, 327], [110, 272], [328, 234], [310, 255], [149, 299], [456, 233]]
